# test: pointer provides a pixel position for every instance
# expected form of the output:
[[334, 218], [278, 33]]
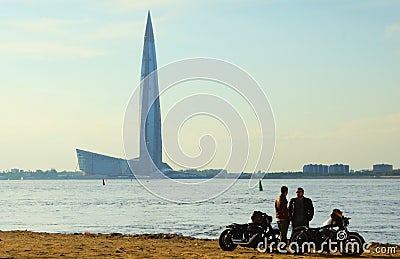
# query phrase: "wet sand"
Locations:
[[24, 244]]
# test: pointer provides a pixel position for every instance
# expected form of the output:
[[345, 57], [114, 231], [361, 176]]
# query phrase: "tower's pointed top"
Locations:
[[148, 35]]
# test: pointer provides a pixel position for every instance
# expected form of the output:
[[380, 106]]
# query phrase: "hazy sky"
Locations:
[[331, 71]]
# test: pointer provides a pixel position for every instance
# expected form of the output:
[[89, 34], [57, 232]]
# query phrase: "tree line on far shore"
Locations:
[[17, 174]]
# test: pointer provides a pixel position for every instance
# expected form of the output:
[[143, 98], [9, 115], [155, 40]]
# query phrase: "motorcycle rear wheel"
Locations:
[[353, 245], [225, 241]]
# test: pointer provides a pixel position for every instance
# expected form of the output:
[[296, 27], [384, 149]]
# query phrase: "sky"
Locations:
[[329, 68]]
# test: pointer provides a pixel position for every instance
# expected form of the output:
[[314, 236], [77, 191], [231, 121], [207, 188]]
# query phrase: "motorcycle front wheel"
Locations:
[[353, 245], [297, 241], [274, 239], [225, 241]]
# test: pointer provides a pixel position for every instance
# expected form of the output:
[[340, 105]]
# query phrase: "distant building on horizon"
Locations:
[[314, 168], [97, 164], [382, 168], [325, 169], [339, 169]]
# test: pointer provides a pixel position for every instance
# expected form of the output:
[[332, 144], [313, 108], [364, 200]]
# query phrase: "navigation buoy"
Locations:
[[260, 186]]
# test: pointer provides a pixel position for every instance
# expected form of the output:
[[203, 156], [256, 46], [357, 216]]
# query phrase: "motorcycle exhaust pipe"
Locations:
[[239, 242]]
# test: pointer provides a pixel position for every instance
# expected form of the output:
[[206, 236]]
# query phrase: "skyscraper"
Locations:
[[150, 155], [150, 117]]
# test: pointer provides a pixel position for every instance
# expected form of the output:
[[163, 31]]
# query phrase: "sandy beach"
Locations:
[[23, 244]]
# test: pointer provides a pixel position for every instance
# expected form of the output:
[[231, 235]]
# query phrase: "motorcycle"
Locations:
[[255, 234], [331, 237]]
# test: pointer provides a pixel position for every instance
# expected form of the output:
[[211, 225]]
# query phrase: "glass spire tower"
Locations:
[[150, 115], [149, 162]]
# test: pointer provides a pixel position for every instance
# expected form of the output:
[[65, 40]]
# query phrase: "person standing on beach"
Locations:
[[282, 213], [301, 210]]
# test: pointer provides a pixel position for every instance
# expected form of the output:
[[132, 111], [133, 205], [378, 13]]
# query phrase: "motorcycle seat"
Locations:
[[240, 225]]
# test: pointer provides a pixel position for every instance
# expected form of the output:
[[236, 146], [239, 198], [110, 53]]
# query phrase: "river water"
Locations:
[[124, 206]]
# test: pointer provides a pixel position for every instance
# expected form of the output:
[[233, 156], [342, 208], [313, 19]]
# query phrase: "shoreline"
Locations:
[[41, 244], [309, 177]]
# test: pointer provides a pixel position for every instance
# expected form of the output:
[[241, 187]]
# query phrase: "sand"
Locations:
[[24, 244]]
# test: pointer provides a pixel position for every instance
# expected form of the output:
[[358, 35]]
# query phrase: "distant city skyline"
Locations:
[[329, 69]]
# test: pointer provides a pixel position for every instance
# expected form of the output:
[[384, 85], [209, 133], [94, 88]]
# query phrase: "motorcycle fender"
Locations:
[[300, 228]]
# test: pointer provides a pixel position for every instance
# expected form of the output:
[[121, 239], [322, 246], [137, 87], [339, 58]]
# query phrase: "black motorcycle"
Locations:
[[333, 236], [256, 234]]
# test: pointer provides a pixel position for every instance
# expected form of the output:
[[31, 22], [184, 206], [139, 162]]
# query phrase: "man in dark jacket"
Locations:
[[282, 213], [301, 209]]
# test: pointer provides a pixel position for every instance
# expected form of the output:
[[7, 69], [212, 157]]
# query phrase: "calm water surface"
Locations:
[[124, 206]]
